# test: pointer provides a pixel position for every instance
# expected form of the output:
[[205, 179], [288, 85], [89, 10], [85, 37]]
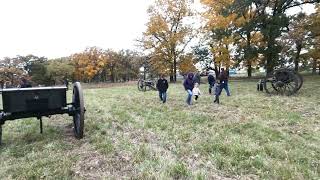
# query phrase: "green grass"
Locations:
[[130, 134]]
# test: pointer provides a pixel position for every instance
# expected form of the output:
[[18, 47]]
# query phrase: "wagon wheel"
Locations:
[[141, 85], [78, 103], [148, 85], [283, 82], [290, 81], [268, 84], [297, 76]]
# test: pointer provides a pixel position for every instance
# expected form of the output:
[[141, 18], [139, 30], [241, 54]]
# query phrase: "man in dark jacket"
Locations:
[[188, 86], [223, 77], [211, 81], [162, 87], [223, 84]]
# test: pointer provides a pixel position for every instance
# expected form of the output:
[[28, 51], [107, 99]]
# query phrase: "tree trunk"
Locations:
[[314, 67], [249, 69], [175, 69], [112, 75], [171, 74], [247, 57], [216, 70], [271, 41], [171, 78], [12, 80], [319, 68], [227, 70], [296, 61], [270, 63]]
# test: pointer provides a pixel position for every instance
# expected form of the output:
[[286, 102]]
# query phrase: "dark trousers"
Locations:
[[217, 93], [210, 88], [222, 86]]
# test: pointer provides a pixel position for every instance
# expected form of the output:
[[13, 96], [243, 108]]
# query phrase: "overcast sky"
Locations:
[[57, 28]]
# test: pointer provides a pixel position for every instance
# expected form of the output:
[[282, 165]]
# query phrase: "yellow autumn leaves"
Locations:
[[89, 63]]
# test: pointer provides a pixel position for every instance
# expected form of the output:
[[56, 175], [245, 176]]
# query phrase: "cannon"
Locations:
[[146, 85], [20, 103], [282, 82]]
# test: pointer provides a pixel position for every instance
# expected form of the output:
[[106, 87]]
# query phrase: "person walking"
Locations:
[[196, 91], [211, 81], [162, 86], [188, 86], [223, 78], [217, 92]]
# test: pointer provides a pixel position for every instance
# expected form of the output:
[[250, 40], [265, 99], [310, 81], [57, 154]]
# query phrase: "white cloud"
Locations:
[[55, 28]]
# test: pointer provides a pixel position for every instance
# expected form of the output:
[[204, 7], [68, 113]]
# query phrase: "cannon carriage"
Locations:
[[19, 103], [281, 82], [146, 85]]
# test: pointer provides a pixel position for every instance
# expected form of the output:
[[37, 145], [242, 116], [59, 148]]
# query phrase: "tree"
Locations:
[[295, 40], [11, 70], [168, 35], [234, 19], [314, 24], [203, 57], [59, 69], [29, 66], [314, 27], [219, 29], [128, 65], [111, 68], [272, 22], [38, 73], [186, 64], [89, 63], [248, 38], [31, 63]]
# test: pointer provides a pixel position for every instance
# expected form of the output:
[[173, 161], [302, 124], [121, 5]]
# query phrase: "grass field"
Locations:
[[130, 134]]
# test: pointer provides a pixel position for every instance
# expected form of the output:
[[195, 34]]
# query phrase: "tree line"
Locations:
[[92, 65]]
